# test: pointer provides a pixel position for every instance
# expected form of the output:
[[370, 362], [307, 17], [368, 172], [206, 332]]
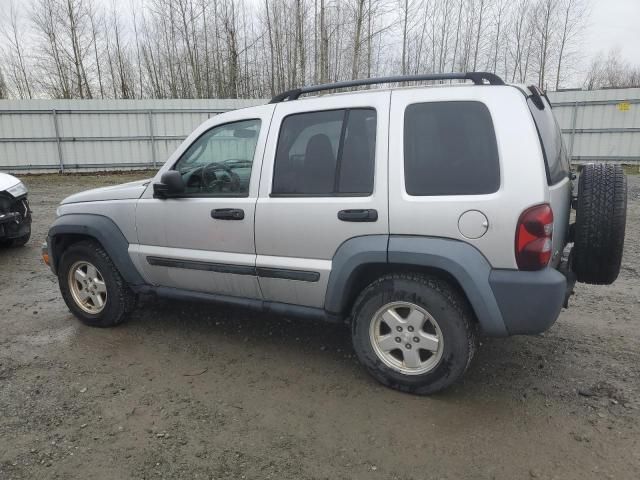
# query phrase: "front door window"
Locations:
[[219, 162]]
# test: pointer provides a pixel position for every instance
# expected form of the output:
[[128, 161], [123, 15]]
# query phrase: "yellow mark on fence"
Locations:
[[624, 106]]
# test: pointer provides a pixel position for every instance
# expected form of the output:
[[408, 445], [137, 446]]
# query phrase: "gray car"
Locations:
[[420, 216]]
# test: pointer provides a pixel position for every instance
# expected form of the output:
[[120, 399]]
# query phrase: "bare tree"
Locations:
[[544, 25], [611, 72], [15, 54], [4, 90], [96, 23], [501, 7], [481, 12], [51, 57], [357, 39], [249, 48], [405, 7], [301, 51], [324, 43], [572, 13]]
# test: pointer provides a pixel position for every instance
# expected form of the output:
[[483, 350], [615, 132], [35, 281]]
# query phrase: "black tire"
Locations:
[[21, 241], [601, 215], [16, 242], [120, 301], [444, 303]]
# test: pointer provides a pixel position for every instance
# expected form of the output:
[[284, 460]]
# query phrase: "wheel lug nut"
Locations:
[[398, 339], [410, 329], [399, 329], [416, 339], [408, 345]]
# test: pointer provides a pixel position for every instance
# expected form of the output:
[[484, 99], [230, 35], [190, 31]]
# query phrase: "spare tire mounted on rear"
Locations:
[[601, 213]]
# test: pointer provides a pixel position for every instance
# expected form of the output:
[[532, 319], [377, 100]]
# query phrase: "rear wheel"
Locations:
[[414, 333], [92, 287], [601, 214]]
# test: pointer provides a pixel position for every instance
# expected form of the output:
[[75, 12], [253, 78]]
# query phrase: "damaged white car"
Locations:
[[15, 214]]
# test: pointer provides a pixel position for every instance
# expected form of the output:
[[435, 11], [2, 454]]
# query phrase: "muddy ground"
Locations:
[[200, 391]]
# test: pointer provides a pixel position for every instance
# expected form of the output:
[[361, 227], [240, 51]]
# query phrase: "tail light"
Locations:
[[533, 238]]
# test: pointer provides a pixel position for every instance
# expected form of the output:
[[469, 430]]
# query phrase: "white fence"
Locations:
[[600, 125], [70, 135]]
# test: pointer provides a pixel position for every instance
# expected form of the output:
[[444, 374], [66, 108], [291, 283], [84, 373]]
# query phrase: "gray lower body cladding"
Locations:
[[529, 302], [506, 302], [102, 229]]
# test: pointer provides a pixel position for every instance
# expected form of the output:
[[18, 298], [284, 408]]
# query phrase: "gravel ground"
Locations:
[[200, 391]]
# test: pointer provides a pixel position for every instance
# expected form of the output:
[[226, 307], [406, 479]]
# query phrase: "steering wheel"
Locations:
[[211, 181]]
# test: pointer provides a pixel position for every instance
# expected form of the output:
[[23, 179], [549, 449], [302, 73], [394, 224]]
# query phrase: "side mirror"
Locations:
[[171, 184]]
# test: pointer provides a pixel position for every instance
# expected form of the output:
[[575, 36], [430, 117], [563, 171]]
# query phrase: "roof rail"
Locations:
[[536, 96], [477, 78]]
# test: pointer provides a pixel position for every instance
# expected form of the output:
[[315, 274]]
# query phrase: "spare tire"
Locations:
[[601, 215]]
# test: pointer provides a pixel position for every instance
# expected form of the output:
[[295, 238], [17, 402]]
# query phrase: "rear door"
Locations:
[[324, 181]]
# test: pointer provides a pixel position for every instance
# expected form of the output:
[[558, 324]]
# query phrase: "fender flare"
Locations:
[[102, 229], [350, 256], [464, 263], [459, 259]]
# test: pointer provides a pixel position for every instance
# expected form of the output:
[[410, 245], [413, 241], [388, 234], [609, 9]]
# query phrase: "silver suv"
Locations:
[[420, 216]]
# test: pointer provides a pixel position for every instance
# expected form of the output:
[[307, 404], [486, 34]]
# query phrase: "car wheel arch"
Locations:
[[361, 260], [69, 229]]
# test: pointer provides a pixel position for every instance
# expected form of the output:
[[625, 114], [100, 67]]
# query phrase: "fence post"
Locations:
[[573, 129], [57, 132], [153, 145]]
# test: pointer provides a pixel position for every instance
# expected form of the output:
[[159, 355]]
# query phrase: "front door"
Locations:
[[324, 181], [204, 240]]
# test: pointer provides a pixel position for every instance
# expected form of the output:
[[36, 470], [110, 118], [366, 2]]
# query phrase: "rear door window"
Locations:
[[450, 149], [555, 154], [326, 153]]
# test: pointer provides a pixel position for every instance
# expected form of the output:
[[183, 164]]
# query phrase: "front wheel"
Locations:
[[92, 287], [16, 242], [413, 333], [21, 241]]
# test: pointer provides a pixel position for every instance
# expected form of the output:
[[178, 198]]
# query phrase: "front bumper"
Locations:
[[45, 255], [15, 218], [529, 302]]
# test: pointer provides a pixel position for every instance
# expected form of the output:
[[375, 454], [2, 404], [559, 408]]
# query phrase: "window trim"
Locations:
[[495, 136], [333, 194], [320, 195], [220, 195], [547, 170]]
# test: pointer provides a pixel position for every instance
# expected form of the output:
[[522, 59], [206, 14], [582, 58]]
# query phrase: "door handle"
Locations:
[[358, 215], [227, 213]]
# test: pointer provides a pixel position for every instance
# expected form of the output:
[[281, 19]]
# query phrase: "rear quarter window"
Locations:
[[450, 149], [555, 154]]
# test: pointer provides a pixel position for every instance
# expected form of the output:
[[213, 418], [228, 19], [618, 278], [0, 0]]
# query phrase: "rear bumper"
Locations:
[[529, 302]]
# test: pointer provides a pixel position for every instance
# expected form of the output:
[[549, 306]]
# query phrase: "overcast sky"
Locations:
[[614, 23]]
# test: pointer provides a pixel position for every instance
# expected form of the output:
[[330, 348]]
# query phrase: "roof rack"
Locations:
[[477, 78]]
